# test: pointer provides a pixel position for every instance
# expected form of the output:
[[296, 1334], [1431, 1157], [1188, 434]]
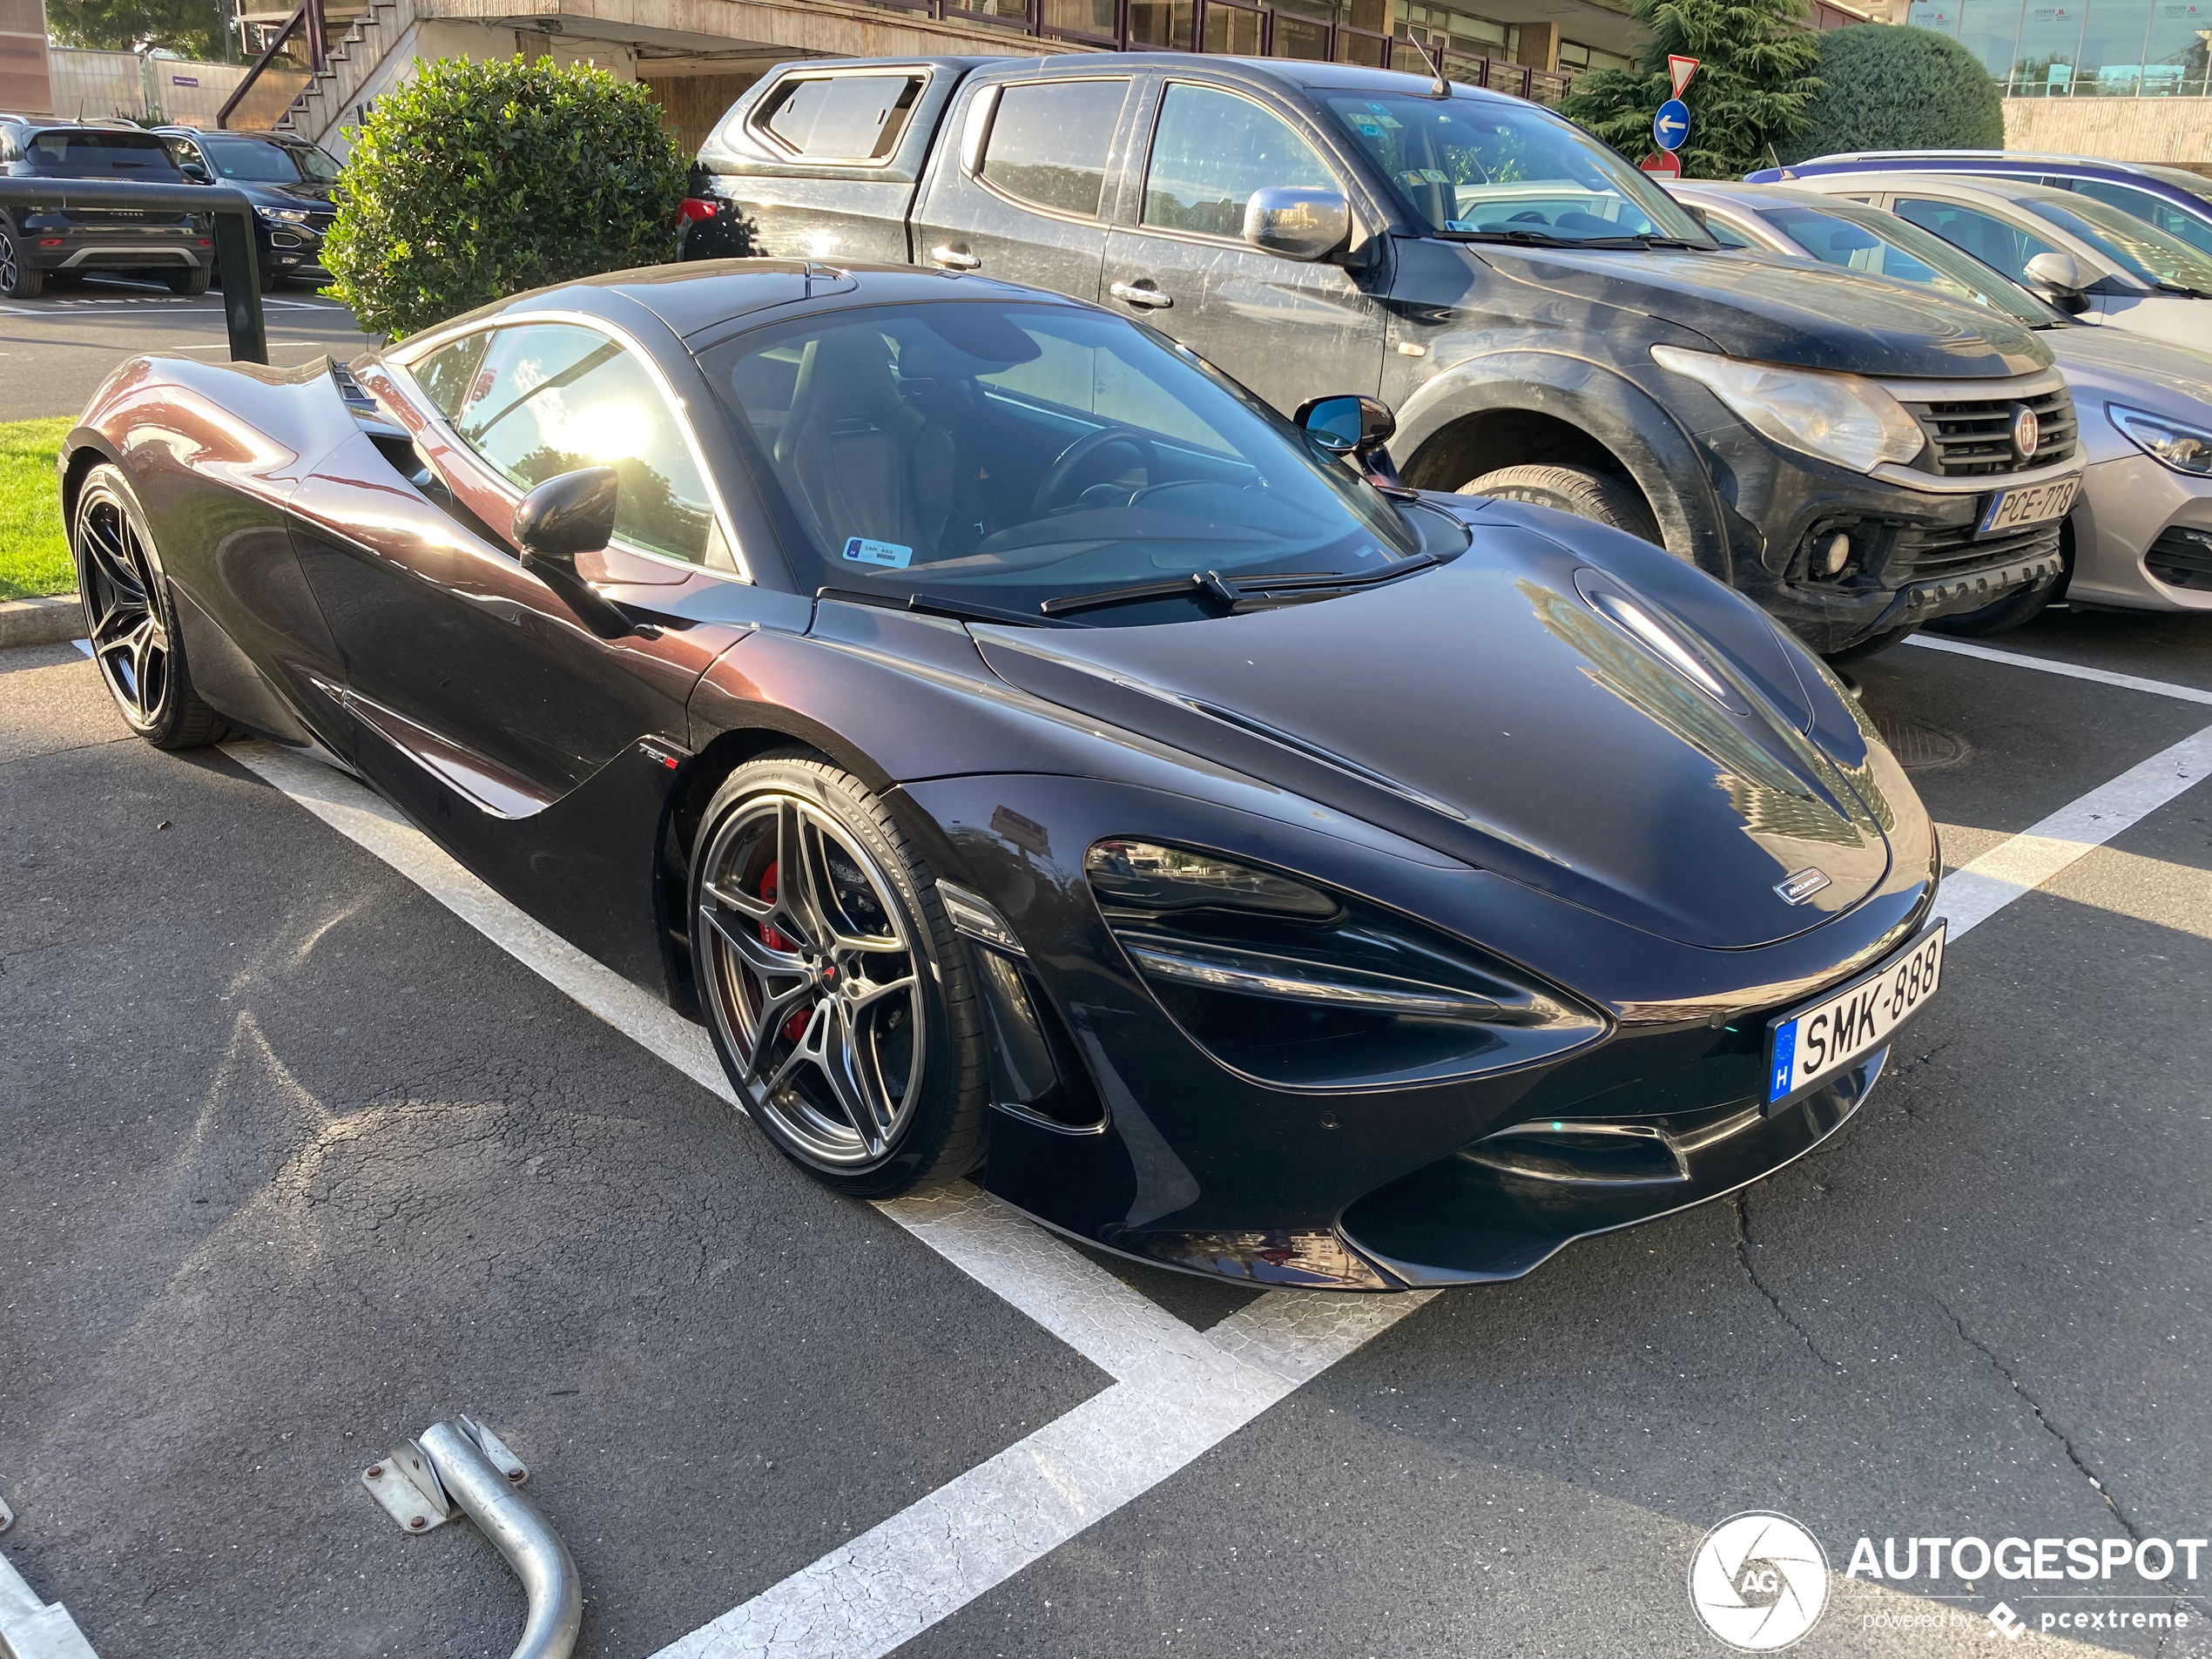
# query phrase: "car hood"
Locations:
[[2110, 365], [1489, 711], [301, 194], [1786, 310]]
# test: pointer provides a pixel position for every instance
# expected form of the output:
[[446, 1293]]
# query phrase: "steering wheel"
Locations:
[[1058, 474]]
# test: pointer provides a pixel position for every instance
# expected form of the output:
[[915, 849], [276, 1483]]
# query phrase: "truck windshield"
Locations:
[[1007, 455], [1509, 171]]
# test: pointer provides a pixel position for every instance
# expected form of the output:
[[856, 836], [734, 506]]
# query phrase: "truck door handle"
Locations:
[[954, 259], [1142, 295]]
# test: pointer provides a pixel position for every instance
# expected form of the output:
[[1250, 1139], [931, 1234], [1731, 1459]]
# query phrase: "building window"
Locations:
[[1458, 31], [2109, 48], [1575, 58]]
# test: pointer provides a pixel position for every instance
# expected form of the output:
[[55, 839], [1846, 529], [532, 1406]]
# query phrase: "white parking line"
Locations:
[[1178, 1393], [2070, 670]]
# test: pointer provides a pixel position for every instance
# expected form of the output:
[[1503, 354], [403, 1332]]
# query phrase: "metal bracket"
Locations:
[[462, 1466], [31, 1629]]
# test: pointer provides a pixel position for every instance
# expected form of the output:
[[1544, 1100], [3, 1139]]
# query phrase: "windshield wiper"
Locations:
[[1545, 238], [1231, 592], [928, 604]]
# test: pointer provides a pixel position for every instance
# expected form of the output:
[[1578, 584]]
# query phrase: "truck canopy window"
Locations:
[[1211, 150], [840, 118], [1049, 142]]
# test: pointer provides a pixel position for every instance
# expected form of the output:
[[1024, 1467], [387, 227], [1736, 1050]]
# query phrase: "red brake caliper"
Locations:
[[795, 1027]]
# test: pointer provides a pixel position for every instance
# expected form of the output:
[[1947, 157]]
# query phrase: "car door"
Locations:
[[535, 747], [1023, 194], [1286, 328]]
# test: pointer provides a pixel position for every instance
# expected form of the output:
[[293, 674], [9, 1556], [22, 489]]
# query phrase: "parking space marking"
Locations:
[[1178, 1391], [2070, 670], [1978, 891]]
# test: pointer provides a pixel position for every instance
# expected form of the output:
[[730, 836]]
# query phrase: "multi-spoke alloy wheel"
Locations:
[[818, 975], [124, 609]]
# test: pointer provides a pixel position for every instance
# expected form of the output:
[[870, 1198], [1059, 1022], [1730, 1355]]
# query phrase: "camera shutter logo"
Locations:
[[1759, 1581]]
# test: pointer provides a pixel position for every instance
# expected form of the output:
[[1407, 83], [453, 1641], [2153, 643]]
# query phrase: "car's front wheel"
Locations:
[[1578, 491], [132, 620], [837, 993]]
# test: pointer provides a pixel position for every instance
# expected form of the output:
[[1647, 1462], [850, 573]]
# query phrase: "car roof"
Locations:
[[701, 300], [104, 128], [1306, 74], [1965, 183]]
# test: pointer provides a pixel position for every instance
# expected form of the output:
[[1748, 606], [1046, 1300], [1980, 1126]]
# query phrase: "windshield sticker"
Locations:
[[1461, 224], [860, 551], [1368, 124], [1434, 177], [1383, 114]]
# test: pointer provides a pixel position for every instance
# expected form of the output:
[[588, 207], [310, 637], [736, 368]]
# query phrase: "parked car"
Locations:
[[2093, 261], [288, 181], [1550, 325], [2167, 199], [38, 246], [2139, 536], [1271, 873]]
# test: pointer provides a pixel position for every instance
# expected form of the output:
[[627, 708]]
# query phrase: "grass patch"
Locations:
[[34, 554]]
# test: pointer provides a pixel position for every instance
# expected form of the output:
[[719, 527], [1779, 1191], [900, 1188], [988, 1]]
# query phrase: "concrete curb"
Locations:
[[41, 622]]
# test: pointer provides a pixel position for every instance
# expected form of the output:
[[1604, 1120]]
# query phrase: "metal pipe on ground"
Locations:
[[234, 220]]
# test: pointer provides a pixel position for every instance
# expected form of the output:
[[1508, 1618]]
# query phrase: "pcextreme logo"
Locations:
[[1759, 1581]]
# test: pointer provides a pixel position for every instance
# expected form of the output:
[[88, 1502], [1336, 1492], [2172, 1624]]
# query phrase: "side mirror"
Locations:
[[1355, 428], [1297, 223], [2061, 272], [194, 174], [563, 516]]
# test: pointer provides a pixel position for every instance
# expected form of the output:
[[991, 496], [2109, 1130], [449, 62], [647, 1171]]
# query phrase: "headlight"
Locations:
[[1286, 981], [289, 215], [2185, 449], [1837, 417]]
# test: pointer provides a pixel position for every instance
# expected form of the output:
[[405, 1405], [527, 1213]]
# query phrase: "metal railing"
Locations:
[[295, 55], [234, 221]]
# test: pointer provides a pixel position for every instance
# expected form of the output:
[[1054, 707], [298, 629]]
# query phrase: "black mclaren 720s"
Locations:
[[1031, 757]]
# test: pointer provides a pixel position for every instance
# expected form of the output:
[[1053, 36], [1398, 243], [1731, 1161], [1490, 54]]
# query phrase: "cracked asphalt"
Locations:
[[293, 1162]]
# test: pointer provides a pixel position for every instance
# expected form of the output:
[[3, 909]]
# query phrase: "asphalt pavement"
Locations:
[[296, 1159], [56, 350]]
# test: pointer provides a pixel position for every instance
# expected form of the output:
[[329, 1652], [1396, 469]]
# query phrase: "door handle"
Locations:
[[1142, 295], [954, 259]]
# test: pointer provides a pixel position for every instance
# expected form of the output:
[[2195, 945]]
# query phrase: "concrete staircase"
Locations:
[[367, 57]]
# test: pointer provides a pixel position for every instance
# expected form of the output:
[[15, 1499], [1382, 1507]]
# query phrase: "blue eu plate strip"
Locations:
[[1785, 1061]]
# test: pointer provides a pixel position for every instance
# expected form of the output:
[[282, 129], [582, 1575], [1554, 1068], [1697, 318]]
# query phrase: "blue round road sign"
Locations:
[[1671, 125]]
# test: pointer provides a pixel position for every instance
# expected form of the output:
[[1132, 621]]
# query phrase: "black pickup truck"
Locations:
[[1859, 456]]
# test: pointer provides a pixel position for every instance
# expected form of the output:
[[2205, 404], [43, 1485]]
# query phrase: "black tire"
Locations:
[[19, 278], [189, 279], [1578, 491], [786, 1034], [130, 617], [1871, 646]]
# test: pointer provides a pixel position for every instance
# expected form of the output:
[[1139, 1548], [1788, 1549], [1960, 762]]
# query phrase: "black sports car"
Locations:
[[1024, 750]]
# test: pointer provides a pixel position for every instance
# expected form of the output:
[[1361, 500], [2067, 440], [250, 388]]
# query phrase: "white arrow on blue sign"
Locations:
[[1671, 125]]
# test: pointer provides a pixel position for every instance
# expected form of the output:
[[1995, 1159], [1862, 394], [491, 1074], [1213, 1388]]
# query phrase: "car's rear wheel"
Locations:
[[186, 279], [19, 278], [837, 993], [132, 619], [1572, 490]]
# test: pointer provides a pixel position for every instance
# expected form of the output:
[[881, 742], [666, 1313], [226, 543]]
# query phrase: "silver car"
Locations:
[[2090, 258], [2139, 536]]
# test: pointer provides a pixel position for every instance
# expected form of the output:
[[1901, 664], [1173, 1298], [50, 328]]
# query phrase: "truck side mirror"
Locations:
[[563, 516], [1355, 426], [1295, 224]]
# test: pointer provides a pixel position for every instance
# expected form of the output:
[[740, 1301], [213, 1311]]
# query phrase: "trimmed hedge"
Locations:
[[474, 181], [1885, 86]]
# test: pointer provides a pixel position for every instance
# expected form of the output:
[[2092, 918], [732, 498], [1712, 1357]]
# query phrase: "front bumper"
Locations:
[[1156, 1149], [2142, 536]]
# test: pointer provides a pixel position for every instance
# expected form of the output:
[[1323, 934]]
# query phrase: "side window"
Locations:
[[1211, 151], [1986, 237], [840, 118], [2140, 204], [1724, 232], [548, 398], [1050, 143], [445, 374]]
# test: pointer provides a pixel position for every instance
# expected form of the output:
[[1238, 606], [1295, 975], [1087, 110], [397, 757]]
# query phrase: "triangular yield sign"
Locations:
[[1680, 69]]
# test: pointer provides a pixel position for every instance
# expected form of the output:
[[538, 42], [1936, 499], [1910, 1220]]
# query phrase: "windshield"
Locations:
[[1883, 245], [87, 154], [1491, 168], [259, 161], [2149, 254], [1008, 455]]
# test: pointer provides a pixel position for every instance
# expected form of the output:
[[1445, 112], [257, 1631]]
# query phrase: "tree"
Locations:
[[189, 28], [474, 181], [1883, 87], [1750, 94]]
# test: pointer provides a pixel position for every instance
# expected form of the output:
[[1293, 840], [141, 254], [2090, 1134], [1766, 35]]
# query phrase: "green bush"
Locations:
[[474, 181], [1887, 87], [1750, 94]]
